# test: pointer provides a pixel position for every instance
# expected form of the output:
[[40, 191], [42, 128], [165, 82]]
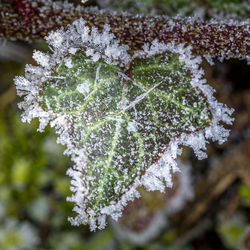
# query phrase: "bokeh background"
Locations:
[[208, 207]]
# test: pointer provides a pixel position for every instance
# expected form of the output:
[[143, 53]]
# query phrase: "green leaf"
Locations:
[[123, 119]]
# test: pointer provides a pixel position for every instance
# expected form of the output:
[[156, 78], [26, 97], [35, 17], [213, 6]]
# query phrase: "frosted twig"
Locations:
[[229, 38]]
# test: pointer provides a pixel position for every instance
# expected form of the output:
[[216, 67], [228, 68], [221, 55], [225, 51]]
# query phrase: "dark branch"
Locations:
[[212, 38]]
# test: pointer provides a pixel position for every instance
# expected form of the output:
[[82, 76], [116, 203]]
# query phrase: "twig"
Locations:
[[229, 38]]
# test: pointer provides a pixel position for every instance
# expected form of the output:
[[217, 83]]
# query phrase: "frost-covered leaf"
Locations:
[[123, 124], [122, 116]]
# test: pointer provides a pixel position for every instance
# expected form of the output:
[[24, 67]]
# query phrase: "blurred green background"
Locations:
[[214, 214]]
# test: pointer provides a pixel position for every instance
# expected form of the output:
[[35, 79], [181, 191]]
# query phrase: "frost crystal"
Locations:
[[122, 116], [83, 88]]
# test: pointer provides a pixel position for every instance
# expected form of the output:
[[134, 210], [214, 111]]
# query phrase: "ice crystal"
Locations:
[[122, 116]]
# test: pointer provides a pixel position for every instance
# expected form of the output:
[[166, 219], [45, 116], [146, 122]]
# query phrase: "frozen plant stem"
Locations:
[[216, 38]]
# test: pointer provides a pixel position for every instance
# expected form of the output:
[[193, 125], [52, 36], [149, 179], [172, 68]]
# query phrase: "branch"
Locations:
[[215, 38]]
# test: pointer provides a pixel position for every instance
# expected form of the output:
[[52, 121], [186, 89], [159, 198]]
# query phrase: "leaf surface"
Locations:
[[123, 119]]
